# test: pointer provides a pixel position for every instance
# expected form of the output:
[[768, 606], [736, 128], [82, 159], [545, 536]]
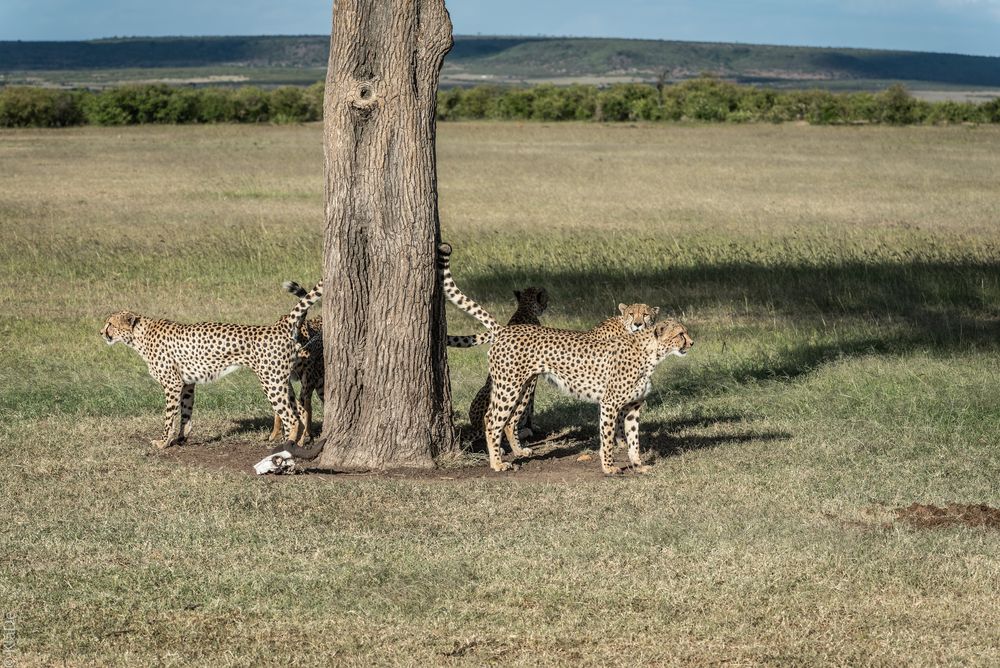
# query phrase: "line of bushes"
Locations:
[[708, 100], [158, 103]]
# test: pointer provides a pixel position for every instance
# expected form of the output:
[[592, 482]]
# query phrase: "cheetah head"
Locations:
[[671, 339], [638, 317], [119, 327], [536, 300]]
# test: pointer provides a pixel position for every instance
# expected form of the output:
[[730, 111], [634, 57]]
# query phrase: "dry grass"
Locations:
[[843, 287]]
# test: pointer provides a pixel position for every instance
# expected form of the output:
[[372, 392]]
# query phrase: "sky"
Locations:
[[950, 26]]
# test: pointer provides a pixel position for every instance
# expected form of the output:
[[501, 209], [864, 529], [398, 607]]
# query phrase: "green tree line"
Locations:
[[705, 100]]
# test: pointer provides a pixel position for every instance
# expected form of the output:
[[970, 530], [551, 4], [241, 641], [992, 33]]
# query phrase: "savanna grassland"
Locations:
[[843, 289]]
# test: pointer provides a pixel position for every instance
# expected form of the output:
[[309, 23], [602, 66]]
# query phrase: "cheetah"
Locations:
[[631, 318], [181, 355], [614, 373], [308, 369], [531, 303]]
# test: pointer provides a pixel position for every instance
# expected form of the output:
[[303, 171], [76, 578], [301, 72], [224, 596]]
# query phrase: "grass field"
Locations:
[[843, 288]]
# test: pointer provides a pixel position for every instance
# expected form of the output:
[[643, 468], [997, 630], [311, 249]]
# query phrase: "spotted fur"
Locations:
[[613, 372], [180, 355]]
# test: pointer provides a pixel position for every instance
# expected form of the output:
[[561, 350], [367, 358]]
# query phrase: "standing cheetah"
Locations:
[[632, 318], [531, 303], [181, 355], [308, 368], [613, 372]]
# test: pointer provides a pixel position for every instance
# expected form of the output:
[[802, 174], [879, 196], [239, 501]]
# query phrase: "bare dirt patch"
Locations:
[[553, 461], [923, 516]]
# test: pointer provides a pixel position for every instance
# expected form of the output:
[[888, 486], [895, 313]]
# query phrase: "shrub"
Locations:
[[182, 107], [896, 106], [625, 102], [288, 104], [38, 107], [990, 111], [314, 99], [102, 109], [551, 104], [249, 105], [515, 103]]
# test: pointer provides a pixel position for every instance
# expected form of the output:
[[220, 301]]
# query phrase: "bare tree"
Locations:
[[388, 402]]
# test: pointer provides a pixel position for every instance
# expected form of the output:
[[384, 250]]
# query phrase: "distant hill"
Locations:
[[514, 59]]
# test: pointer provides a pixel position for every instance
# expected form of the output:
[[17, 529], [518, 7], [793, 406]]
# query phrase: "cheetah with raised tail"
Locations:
[[614, 372], [308, 369], [531, 303], [181, 355]]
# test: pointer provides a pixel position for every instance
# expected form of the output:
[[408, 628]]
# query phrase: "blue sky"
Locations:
[[954, 26]]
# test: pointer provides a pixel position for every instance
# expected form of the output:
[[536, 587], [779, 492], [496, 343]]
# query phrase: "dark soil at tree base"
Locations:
[[558, 459], [554, 461]]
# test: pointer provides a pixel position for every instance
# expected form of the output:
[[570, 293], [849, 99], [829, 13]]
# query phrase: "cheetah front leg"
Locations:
[[609, 416], [172, 392], [305, 411], [477, 409], [620, 441], [279, 392], [526, 427], [511, 430], [629, 422], [275, 429]]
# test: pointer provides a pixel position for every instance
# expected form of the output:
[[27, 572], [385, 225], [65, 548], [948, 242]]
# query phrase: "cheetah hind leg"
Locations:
[[496, 418], [172, 419], [629, 421], [609, 416], [187, 406]]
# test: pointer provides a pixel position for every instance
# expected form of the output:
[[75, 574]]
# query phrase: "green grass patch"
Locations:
[[842, 288]]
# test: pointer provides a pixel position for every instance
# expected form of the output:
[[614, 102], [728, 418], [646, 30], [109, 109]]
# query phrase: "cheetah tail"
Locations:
[[295, 289], [470, 341], [298, 314], [456, 297]]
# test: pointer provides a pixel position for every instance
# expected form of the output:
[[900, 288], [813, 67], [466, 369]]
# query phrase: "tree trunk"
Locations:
[[388, 398]]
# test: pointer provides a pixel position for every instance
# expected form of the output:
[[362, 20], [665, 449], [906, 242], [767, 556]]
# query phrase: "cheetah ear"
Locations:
[[621, 308], [517, 295], [654, 310], [132, 319], [543, 297]]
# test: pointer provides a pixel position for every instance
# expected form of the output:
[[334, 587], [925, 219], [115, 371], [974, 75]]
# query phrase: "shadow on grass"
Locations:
[[663, 437], [246, 425], [836, 310]]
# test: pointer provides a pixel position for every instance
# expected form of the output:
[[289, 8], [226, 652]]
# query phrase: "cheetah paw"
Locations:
[[160, 444], [612, 470], [503, 466]]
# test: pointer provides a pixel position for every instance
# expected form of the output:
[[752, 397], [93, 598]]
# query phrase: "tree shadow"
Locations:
[[656, 435], [663, 440], [839, 309]]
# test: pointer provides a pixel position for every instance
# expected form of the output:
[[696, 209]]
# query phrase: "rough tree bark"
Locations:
[[388, 402]]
